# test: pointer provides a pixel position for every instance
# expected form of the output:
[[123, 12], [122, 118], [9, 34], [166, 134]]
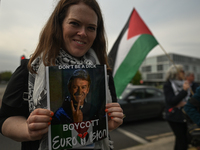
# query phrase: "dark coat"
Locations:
[[172, 113]]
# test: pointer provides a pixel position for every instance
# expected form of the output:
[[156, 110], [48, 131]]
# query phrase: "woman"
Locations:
[[176, 92], [74, 34]]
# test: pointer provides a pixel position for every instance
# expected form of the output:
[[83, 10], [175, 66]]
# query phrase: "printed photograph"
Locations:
[[77, 96]]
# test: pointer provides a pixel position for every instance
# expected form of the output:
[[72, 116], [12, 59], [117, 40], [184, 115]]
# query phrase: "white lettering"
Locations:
[[76, 124], [62, 142], [81, 125], [54, 141], [74, 141], [58, 142], [65, 67], [90, 66], [97, 135], [88, 124], [71, 126], [65, 127], [68, 141]]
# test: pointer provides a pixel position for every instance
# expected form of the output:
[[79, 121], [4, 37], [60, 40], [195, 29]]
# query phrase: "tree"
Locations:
[[5, 76], [137, 78]]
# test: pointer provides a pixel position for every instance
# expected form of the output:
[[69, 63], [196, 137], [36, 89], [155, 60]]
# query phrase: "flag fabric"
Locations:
[[130, 49]]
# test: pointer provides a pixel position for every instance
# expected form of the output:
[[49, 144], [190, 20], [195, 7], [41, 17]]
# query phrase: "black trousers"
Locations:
[[180, 132]]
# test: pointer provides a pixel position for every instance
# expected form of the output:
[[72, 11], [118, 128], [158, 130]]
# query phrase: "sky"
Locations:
[[174, 23]]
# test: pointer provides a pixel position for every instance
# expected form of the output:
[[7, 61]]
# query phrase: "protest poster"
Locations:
[[77, 96]]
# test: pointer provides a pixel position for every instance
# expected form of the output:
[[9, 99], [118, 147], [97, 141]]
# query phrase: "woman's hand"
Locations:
[[181, 104], [38, 122], [115, 115]]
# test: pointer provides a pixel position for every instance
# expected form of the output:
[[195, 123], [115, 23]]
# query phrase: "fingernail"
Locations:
[[52, 113], [109, 114], [106, 110], [49, 123], [50, 118], [112, 117]]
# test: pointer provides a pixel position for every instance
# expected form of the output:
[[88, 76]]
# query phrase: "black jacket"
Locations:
[[172, 113]]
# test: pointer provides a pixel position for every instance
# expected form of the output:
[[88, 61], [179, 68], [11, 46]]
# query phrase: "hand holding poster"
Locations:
[[77, 96]]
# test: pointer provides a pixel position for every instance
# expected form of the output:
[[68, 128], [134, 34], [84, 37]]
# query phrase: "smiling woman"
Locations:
[[73, 35], [79, 31]]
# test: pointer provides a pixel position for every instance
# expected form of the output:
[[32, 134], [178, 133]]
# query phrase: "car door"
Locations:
[[132, 105], [153, 102]]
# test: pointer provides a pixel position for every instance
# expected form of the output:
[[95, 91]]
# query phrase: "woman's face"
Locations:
[[181, 75], [79, 29]]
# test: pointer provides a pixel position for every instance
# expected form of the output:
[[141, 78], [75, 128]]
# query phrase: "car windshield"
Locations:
[[125, 93]]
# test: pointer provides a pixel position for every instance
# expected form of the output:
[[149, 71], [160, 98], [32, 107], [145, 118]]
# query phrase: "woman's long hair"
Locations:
[[51, 36]]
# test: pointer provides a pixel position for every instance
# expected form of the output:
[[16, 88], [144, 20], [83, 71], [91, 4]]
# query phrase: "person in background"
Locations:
[[74, 34], [193, 111], [176, 92], [189, 76]]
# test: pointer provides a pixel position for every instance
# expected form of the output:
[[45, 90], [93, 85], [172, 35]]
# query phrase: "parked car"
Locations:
[[142, 102]]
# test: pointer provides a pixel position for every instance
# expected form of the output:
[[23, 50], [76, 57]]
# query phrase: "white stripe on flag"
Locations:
[[123, 49]]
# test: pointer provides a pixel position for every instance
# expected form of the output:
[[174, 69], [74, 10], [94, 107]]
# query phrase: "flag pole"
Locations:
[[168, 57], [173, 63]]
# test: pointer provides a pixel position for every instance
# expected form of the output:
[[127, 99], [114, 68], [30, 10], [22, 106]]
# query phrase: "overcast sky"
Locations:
[[174, 23]]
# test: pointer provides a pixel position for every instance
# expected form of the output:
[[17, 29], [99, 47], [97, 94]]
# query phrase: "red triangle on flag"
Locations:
[[137, 26]]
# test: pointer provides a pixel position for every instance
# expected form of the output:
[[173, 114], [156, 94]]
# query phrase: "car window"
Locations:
[[138, 94], [152, 93], [125, 93]]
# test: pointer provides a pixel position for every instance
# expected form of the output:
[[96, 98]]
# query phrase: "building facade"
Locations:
[[153, 69]]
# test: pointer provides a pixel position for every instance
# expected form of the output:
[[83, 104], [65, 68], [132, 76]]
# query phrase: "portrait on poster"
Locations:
[[77, 96]]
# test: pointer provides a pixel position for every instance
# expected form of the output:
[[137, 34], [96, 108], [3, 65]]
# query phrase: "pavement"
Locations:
[[164, 143]]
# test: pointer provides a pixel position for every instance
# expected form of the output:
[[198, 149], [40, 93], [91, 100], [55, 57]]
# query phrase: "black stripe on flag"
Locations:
[[113, 52]]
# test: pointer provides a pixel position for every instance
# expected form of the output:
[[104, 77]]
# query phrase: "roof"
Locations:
[[139, 86]]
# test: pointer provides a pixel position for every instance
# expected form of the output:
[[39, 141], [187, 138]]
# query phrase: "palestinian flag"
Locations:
[[130, 49]]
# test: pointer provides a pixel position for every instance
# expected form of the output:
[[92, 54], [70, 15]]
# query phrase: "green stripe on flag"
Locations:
[[128, 68]]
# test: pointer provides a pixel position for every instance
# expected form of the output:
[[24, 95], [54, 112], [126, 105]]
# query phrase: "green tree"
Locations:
[[5, 76], [136, 79]]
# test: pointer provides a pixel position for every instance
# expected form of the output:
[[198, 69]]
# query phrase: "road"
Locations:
[[139, 132]]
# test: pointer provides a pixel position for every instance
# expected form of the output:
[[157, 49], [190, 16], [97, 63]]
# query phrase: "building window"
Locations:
[[186, 67], [146, 69], [162, 58], [154, 76], [194, 68], [159, 67]]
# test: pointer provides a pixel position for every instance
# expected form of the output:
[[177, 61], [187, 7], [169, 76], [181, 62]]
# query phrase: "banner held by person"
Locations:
[[130, 49]]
